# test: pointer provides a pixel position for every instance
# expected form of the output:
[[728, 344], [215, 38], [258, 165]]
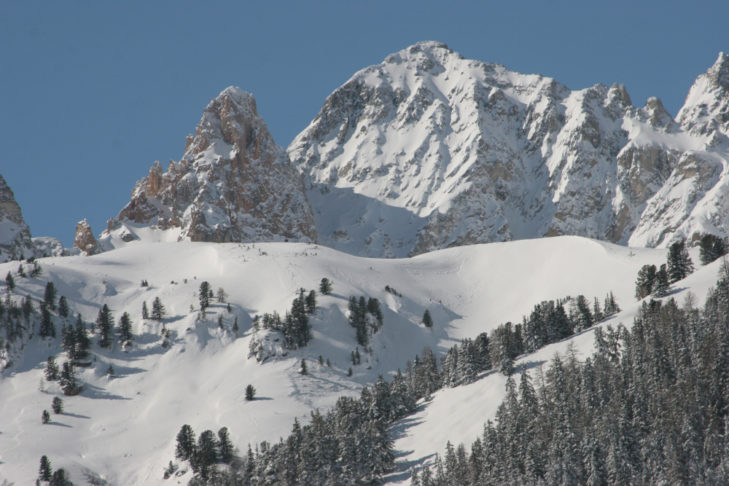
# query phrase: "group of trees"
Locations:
[[651, 406], [66, 376], [46, 475], [365, 316], [657, 280], [295, 326], [202, 454]]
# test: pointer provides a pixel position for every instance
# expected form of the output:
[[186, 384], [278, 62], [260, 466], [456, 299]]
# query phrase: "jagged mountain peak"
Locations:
[[719, 71], [705, 112], [233, 183]]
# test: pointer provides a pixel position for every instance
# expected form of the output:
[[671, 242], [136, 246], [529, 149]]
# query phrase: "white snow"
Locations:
[[123, 429]]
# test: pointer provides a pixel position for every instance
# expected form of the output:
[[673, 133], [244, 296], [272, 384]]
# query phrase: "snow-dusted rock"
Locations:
[[232, 184], [428, 150], [15, 239], [84, 239]]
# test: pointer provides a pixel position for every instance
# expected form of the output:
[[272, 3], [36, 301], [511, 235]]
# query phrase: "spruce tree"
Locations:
[[225, 446], [250, 393], [51, 371], [125, 329], [158, 310], [325, 286], [45, 417], [679, 262], [83, 343], [207, 453], [50, 296], [645, 281], [204, 295], [47, 329], [427, 320], [311, 302], [63, 310], [185, 448], [45, 471], [303, 369], [711, 248], [57, 405], [68, 381], [10, 281], [105, 322], [661, 285], [59, 478], [145, 312]]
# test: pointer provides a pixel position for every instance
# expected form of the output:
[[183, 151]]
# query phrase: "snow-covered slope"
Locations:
[[122, 428], [232, 184], [430, 150]]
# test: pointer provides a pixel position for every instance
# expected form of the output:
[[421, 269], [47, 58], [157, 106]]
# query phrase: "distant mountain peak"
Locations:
[[233, 183]]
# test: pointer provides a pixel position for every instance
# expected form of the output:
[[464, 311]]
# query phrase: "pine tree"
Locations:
[[105, 322], [311, 302], [10, 281], [427, 320], [125, 329], [45, 471], [250, 393], [303, 369], [63, 310], [21, 271], [45, 417], [207, 453], [59, 478], [325, 286], [145, 312], [185, 448], [158, 310], [83, 343], [51, 371], [50, 296], [68, 339], [68, 381], [57, 405], [47, 329], [711, 248], [645, 281], [661, 285], [204, 295], [225, 446], [679, 262]]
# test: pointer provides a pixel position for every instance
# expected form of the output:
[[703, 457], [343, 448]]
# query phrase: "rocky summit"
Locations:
[[429, 150], [233, 183]]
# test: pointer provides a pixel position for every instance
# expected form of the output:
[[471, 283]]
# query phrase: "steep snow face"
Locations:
[[429, 150], [232, 184], [15, 240]]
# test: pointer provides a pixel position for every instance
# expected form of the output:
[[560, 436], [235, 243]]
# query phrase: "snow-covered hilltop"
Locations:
[[232, 184], [429, 150]]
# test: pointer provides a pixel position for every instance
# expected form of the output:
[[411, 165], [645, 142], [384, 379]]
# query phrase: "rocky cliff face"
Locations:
[[15, 240], [428, 150], [84, 238], [233, 183]]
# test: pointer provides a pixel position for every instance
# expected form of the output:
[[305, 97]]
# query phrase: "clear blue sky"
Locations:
[[93, 92]]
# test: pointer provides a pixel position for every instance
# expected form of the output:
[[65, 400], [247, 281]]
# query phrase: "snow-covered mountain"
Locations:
[[187, 369], [429, 150], [233, 183]]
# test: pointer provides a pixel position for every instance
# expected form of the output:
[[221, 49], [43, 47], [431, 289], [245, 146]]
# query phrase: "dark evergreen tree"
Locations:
[[711, 248], [204, 295], [185, 449], [644, 283], [225, 446], [207, 453], [45, 471], [63, 309], [69, 383], [45, 417], [57, 405], [51, 371], [21, 271], [661, 285], [83, 343], [158, 310], [105, 322], [303, 369], [47, 329], [68, 339], [325, 286], [27, 308], [10, 281], [125, 329], [679, 264], [584, 316], [50, 296], [311, 302], [427, 320], [60, 479], [250, 393], [145, 311]]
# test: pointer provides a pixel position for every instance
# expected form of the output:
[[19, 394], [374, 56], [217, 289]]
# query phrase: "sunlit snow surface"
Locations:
[[123, 429]]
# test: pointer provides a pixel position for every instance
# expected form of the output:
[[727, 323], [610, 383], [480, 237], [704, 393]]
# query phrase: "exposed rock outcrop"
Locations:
[[84, 239], [15, 239]]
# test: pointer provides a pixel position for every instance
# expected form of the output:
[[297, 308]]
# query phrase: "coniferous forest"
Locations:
[[649, 407]]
